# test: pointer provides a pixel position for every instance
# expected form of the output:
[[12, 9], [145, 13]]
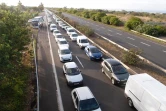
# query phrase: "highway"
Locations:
[[110, 97], [152, 51]]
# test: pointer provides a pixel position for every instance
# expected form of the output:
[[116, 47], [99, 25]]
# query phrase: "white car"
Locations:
[[55, 32], [62, 24], [53, 27], [58, 36], [73, 36], [57, 20], [64, 54], [72, 73], [65, 28], [84, 100], [62, 42], [70, 30]]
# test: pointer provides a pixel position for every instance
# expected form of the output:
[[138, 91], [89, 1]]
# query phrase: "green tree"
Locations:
[[99, 15], [20, 6], [85, 14], [41, 7], [114, 21], [133, 22]]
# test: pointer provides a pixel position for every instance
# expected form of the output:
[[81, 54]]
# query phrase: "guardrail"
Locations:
[[149, 36], [36, 74]]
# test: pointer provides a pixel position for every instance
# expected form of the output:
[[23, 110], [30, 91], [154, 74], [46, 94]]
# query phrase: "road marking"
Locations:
[[130, 38], [102, 27], [164, 51], [145, 44], [132, 45], [96, 25], [118, 33], [110, 30], [110, 34], [97, 29], [59, 97], [79, 62]]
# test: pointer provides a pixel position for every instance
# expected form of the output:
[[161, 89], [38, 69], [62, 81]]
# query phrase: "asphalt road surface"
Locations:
[[151, 50], [110, 97]]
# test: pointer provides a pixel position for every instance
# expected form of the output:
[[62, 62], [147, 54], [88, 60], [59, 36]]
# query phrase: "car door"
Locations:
[[107, 69]]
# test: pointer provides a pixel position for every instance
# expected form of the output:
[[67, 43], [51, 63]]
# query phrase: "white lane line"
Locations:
[[118, 33], [130, 38], [96, 25], [97, 29], [132, 45], [145, 44], [110, 30], [102, 27], [59, 97], [109, 34], [79, 62], [164, 51]]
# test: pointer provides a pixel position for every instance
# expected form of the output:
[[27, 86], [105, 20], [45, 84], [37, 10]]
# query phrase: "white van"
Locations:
[[145, 93], [82, 41]]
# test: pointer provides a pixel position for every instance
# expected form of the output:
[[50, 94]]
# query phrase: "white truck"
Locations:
[[145, 93]]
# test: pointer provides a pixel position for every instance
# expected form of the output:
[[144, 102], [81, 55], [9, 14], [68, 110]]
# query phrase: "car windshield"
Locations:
[[74, 35], [71, 31], [84, 41], [59, 36], [73, 71], [65, 51], [88, 105], [53, 26], [62, 42], [56, 31], [94, 50], [119, 69]]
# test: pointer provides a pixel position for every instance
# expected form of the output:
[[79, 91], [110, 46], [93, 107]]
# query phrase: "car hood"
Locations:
[[66, 45], [74, 78], [124, 76]]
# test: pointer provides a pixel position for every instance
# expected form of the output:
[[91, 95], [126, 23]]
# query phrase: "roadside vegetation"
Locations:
[[16, 55], [130, 57], [133, 22]]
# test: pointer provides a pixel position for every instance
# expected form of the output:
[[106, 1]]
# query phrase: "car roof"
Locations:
[[73, 33], [70, 28], [113, 62], [63, 47], [84, 93], [82, 37], [53, 25], [58, 34], [71, 65], [62, 39]]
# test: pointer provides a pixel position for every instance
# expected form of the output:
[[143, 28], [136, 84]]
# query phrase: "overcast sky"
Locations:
[[133, 5]]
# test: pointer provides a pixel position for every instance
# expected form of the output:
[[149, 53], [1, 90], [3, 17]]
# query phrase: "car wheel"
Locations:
[[113, 81], [130, 102]]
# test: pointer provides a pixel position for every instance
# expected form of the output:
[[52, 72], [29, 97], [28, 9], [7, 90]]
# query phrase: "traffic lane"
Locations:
[[154, 53], [91, 74], [47, 87]]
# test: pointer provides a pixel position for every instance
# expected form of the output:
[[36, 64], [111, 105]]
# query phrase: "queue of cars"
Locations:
[[142, 91]]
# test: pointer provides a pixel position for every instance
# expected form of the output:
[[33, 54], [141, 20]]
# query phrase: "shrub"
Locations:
[[85, 29], [133, 22], [99, 15], [105, 20], [93, 17], [130, 57], [114, 21], [85, 14]]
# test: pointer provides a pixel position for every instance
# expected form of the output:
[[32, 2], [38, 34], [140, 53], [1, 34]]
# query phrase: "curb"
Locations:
[[102, 48]]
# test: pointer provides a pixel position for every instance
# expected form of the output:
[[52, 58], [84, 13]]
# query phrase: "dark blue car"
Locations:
[[93, 52]]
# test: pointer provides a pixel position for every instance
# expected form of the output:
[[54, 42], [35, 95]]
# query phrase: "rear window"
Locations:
[[73, 71], [74, 35], [119, 69], [53, 26], [63, 42], [71, 30], [59, 36], [84, 41]]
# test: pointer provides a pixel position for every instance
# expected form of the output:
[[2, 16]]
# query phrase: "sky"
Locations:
[[129, 5]]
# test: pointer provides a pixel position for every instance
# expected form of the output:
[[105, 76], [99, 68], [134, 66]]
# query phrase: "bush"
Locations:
[[114, 21], [99, 15], [133, 22], [85, 14], [93, 17], [105, 20], [86, 30], [130, 57]]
